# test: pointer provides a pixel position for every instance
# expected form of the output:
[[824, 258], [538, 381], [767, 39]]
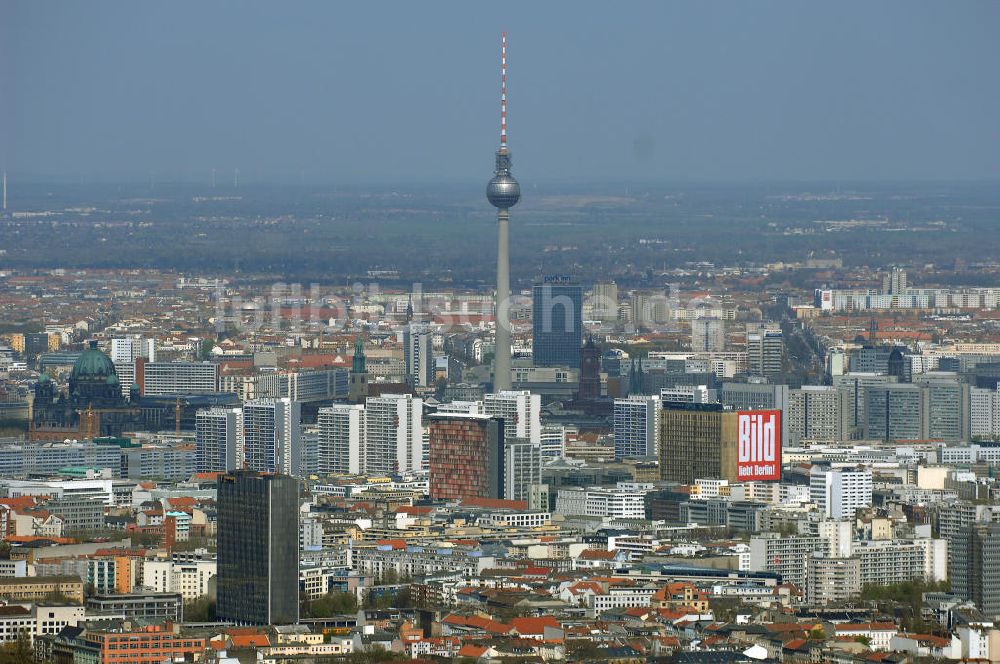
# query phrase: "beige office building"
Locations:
[[697, 441]]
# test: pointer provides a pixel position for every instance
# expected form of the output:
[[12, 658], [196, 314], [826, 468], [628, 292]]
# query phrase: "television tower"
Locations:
[[503, 192]]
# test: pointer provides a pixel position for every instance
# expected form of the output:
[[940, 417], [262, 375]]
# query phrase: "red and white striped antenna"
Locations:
[[503, 89]]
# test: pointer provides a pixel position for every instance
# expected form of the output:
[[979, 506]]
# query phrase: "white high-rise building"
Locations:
[[836, 362], [688, 394], [636, 425], [765, 353], [394, 437], [553, 444], [894, 282], [708, 335], [417, 355], [840, 492], [124, 350], [605, 305], [341, 439], [126, 376], [272, 436], [616, 503], [170, 378], [839, 534], [521, 412], [985, 413], [461, 407], [190, 578], [218, 439], [788, 556], [522, 468]]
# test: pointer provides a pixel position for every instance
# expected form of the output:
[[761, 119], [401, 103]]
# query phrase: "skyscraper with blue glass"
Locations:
[[557, 322]]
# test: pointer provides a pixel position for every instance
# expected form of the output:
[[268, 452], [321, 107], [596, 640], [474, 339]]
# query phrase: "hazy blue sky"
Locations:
[[377, 91]]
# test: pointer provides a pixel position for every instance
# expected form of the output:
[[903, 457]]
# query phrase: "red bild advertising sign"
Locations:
[[758, 446]]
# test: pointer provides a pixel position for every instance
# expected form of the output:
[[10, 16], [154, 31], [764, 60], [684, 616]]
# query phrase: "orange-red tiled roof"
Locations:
[[19, 503], [472, 650], [533, 625], [537, 571], [464, 542], [249, 640], [595, 554], [487, 624]]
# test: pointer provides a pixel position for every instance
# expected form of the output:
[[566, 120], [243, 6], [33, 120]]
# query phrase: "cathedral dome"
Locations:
[[92, 365]]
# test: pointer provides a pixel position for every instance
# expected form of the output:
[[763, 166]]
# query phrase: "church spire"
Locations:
[[635, 377], [358, 363]]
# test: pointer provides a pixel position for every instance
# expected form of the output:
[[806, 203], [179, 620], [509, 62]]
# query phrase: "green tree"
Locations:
[[141, 539], [905, 599], [582, 651], [19, 651], [331, 604], [404, 599], [201, 609], [726, 608], [388, 578]]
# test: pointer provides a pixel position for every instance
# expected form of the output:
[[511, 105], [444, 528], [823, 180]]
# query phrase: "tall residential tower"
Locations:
[[503, 192]]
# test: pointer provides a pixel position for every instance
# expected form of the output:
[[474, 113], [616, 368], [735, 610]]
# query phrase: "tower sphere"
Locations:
[[503, 191]]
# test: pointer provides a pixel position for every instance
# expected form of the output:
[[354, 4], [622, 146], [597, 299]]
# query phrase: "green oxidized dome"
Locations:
[[93, 364]]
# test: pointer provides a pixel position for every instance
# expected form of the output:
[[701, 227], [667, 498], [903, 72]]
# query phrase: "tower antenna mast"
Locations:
[[503, 90]]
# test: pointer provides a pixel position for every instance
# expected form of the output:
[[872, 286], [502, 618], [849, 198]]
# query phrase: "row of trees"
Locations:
[[905, 601], [331, 604]]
